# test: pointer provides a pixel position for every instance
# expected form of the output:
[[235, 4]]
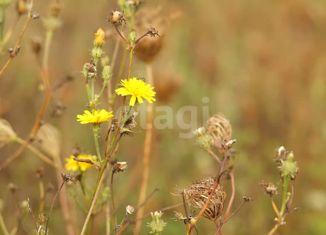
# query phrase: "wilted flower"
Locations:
[[137, 89], [80, 163], [120, 166], [157, 224], [197, 194], [219, 128], [94, 117], [270, 188]]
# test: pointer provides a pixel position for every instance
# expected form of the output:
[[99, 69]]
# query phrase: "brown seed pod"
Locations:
[[197, 194], [220, 129], [149, 47]]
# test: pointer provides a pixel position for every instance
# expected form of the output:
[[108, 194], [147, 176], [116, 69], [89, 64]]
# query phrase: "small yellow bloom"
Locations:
[[137, 89], [99, 39], [94, 117], [73, 165]]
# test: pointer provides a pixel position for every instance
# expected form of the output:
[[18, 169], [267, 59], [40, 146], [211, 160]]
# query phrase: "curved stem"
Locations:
[[228, 210]]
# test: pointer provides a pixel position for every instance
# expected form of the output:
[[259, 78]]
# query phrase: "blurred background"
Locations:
[[260, 63]]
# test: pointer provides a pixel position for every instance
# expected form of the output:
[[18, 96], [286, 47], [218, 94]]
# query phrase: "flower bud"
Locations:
[[99, 38]]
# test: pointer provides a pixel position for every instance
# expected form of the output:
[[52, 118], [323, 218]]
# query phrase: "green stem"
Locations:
[[285, 186], [100, 179], [96, 129], [2, 22], [3, 226]]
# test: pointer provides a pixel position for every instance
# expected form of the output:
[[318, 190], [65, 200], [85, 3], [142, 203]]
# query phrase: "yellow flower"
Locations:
[[99, 37], [137, 89], [95, 116], [82, 165]]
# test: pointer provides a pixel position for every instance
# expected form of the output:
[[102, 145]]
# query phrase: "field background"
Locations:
[[261, 63]]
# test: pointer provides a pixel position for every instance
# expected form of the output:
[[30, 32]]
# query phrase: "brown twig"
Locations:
[[146, 156], [18, 42]]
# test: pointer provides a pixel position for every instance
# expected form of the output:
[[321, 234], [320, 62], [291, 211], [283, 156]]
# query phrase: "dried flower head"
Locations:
[[94, 116], [149, 47], [270, 189], [119, 166], [80, 163], [116, 18], [197, 194], [137, 89], [220, 129]]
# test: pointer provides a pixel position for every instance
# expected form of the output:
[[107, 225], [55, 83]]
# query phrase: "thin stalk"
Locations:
[[146, 155], [99, 183], [96, 129], [45, 103], [285, 186], [274, 229], [2, 21], [95, 196], [228, 210], [37, 153], [3, 226], [131, 56], [18, 41]]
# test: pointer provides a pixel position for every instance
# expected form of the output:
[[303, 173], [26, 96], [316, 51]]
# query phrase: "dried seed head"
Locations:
[[270, 189], [197, 194], [119, 167], [116, 18], [219, 128], [149, 47]]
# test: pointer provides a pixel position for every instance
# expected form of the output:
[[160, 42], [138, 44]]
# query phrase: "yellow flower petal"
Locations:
[[94, 117], [73, 165], [137, 89]]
